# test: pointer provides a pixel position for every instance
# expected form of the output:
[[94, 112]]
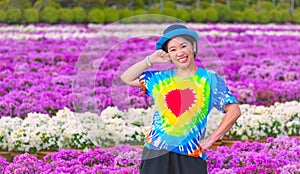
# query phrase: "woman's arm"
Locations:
[[233, 112], [130, 76]]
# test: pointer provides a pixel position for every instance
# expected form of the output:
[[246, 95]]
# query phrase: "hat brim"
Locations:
[[175, 33]]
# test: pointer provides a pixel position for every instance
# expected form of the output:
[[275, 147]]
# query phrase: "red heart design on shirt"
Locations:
[[179, 101]]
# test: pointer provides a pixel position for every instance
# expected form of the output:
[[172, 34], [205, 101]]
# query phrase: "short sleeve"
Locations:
[[221, 95], [147, 81]]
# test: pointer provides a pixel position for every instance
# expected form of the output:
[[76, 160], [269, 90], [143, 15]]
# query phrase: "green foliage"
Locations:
[[285, 16], [171, 15], [283, 6], [13, 16], [49, 15], [4, 4], [238, 11], [41, 4], [170, 12], [211, 15], [280, 16], [2, 16], [154, 11], [237, 16], [137, 17], [95, 16], [31, 15], [125, 13], [126, 16], [139, 12], [275, 16], [250, 15], [110, 15], [20, 4], [118, 4], [198, 15], [141, 19], [54, 4], [206, 4], [69, 3], [297, 3], [155, 18], [138, 4], [184, 15], [140, 16], [85, 4], [296, 18], [238, 5], [203, 5], [223, 12], [65, 15], [79, 15], [170, 4], [264, 17], [266, 5]]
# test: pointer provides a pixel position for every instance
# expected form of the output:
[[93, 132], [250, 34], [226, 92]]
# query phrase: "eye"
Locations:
[[171, 50], [183, 46]]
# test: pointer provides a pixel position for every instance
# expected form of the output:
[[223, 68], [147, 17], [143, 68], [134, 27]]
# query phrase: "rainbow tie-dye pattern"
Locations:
[[182, 107]]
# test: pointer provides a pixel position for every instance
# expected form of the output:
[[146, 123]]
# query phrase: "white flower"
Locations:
[[113, 126]]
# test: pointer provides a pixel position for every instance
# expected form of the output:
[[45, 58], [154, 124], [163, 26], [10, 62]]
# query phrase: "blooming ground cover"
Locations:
[[277, 155], [67, 129], [50, 75], [41, 69]]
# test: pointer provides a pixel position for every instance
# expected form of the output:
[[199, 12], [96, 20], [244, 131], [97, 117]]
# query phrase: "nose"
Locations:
[[179, 53]]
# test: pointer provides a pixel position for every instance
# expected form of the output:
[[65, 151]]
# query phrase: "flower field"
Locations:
[[68, 129], [60, 89], [42, 67], [279, 155]]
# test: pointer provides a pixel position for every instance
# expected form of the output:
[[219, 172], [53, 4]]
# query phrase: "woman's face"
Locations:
[[181, 52]]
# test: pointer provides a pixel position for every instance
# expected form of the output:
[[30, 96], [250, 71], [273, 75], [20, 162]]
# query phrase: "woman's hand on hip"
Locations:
[[206, 143]]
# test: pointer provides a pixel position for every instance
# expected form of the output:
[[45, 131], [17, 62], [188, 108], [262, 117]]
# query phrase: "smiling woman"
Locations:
[[183, 98], [182, 54]]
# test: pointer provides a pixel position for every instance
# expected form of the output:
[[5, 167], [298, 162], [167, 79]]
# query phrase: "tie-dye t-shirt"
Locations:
[[182, 106]]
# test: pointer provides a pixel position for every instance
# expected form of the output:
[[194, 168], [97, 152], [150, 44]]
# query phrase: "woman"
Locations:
[[183, 99]]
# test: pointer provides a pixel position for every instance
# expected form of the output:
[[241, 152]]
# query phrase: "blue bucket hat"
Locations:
[[173, 31]]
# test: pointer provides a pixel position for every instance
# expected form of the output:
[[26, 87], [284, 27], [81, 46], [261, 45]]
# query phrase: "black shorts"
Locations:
[[165, 162]]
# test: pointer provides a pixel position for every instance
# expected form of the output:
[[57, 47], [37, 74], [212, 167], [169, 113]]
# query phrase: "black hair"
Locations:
[[186, 37]]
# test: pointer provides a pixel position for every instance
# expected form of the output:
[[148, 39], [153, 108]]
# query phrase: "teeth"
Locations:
[[182, 59]]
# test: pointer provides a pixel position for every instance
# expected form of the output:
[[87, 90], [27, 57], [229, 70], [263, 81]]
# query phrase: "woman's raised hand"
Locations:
[[159, 56]]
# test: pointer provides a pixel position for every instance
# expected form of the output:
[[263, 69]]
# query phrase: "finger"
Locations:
[[159, 51], [166, 59], [202, 150], [162, 53], [167, 56]]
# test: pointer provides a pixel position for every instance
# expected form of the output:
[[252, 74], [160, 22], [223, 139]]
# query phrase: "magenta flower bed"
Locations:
[[37, 75], [277, 155], [120, 159]]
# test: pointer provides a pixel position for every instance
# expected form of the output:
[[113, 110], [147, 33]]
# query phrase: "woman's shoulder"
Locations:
[[210, 74], [206, 71]]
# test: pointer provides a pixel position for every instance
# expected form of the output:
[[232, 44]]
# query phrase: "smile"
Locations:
[[183, 59]]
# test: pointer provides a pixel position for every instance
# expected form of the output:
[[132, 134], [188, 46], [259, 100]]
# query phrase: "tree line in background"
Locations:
[[107, 11], [135, 4]]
